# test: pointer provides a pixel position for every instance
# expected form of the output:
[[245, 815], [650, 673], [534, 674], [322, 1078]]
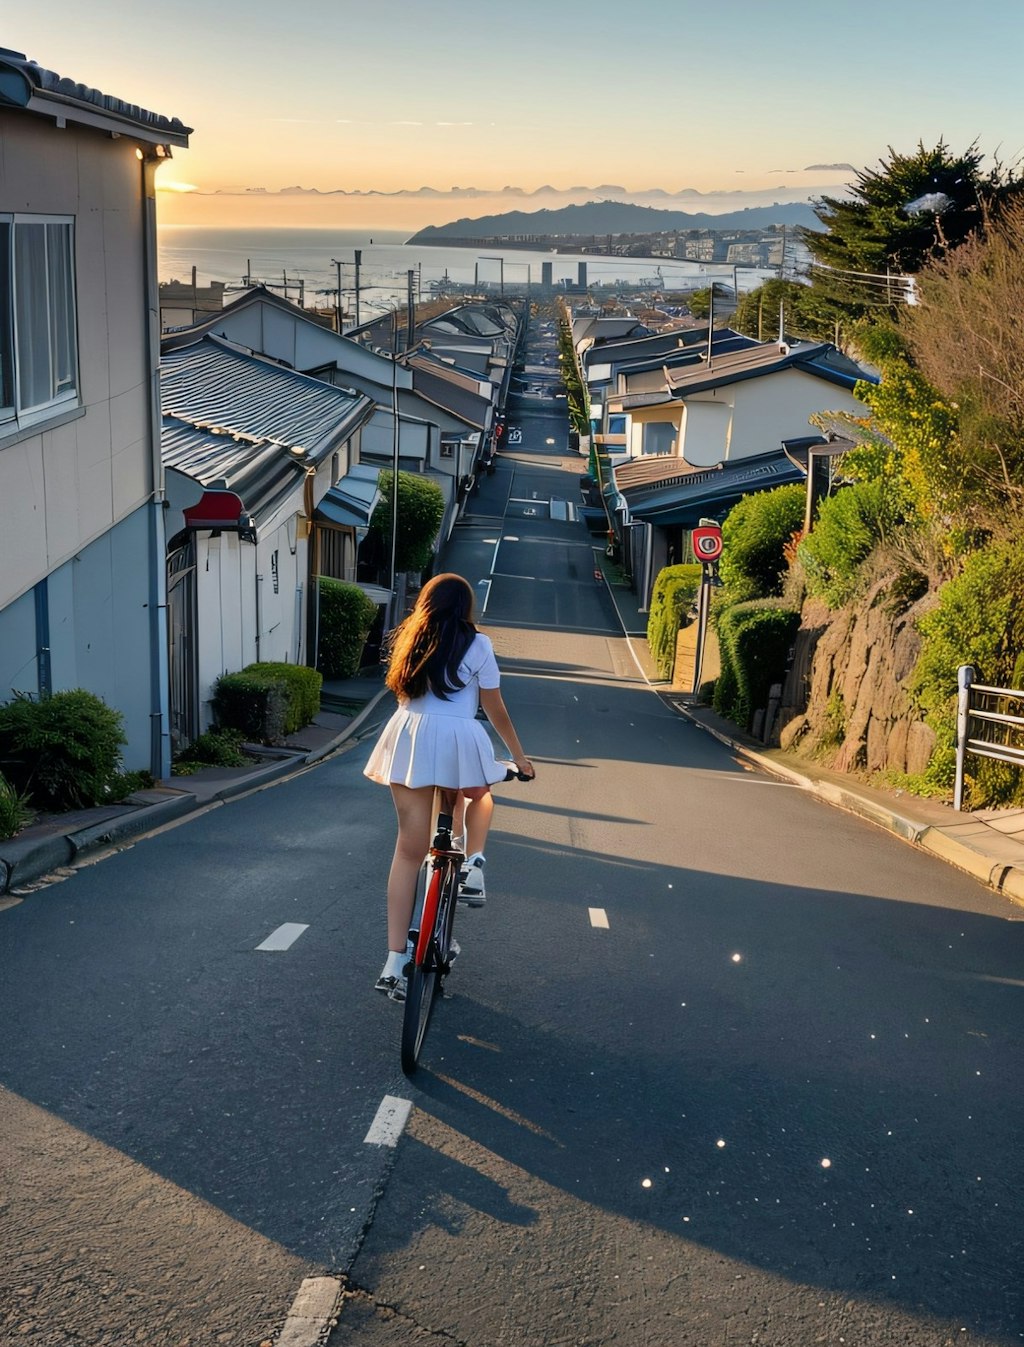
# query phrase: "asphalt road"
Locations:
[[718, 1065]]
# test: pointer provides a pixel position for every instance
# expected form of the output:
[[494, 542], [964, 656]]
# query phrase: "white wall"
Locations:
[[303, 344], [229, 574], [753, 416]]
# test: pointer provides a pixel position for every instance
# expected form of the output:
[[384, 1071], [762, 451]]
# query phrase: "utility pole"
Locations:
[[338, 308], [410, 280], [359, 258], [394, 467]]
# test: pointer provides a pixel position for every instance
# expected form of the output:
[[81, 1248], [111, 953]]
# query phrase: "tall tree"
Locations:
[[899, 216]]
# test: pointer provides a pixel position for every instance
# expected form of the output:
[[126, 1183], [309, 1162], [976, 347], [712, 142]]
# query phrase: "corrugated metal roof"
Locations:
[[684, 500], [213, 385], [262, 472]]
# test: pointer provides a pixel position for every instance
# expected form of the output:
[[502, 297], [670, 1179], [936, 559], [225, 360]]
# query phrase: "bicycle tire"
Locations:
[[422, 980]]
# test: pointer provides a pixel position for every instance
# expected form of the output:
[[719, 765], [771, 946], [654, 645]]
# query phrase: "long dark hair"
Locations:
[[429, 645]]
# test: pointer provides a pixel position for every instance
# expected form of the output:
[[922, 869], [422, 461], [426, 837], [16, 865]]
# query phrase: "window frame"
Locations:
[[60, 300]]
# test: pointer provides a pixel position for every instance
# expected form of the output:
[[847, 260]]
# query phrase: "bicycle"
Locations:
[[431, 933]]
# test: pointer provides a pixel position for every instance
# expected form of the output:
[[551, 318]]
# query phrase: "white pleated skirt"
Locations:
[[418, 748]]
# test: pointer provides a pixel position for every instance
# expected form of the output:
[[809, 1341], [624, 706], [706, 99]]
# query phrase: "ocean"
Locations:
[[287, 256]]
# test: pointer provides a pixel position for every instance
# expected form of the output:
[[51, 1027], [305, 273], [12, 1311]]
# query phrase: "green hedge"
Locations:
[[346, 617], [303, 690], [979, 620], [674, 591], [255, 704], [62, 752], [754, 641], [754, 535], [267, 701]]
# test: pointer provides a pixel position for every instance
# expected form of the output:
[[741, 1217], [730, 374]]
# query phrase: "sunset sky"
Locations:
[[735, 95]]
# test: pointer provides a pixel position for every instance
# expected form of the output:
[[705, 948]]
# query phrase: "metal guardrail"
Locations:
[[984, 725]]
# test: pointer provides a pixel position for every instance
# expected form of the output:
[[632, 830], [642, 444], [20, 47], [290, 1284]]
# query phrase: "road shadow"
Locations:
[[833, 1116]]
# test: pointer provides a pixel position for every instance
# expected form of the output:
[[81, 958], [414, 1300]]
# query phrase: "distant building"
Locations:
[[183, 303]]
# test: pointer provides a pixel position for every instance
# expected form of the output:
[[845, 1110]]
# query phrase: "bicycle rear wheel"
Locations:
[[422, 980]]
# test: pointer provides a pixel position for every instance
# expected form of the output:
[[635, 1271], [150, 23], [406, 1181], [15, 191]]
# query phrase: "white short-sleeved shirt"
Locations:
[[434, 742]]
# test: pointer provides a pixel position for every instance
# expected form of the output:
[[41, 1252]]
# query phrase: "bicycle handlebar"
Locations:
[[512, 775]]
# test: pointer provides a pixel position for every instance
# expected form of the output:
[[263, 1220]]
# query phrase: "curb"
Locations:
[[1007, 880], [21, 863]]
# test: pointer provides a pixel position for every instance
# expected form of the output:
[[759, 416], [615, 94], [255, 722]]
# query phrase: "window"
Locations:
[[38, 343], [616, 425], [448, 447]]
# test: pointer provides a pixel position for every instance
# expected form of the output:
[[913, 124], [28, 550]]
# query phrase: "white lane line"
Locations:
[[389, 1123], [312, 1311], [284, 937], [487, 596], [494, 554], [598, 918]]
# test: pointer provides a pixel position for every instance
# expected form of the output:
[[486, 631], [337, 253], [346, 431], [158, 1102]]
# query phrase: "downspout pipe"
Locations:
[[159, 667]]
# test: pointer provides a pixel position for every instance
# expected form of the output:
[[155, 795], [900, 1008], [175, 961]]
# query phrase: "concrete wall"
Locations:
[[62, 487], [98, 631], [74, 487]]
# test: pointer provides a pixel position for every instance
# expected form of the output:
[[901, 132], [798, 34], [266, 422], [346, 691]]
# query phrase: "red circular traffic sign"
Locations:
[[707, 542]]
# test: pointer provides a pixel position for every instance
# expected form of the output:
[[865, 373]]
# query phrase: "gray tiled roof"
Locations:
[[22, 80]]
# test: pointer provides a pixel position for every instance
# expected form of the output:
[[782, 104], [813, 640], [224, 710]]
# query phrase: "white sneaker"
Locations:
[[471, 881]]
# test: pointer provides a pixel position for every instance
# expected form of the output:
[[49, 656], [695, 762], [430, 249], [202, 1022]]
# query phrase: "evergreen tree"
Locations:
[[899, 216]]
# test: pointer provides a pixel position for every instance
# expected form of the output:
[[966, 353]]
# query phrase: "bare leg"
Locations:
[[478, 821], [458, 813], [415, 810]]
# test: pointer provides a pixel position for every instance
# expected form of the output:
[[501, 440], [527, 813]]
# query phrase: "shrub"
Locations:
[[254, 704], [979, 620], [755, 534], [848, 527], [127, 783], [215, 748], [14, 809], [420, 511], [346, 617], [62, 751], [303, 690], [674, 591], [754, 640]]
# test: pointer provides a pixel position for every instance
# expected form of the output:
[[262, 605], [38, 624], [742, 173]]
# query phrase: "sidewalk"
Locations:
[[988, 843], [52, 844]]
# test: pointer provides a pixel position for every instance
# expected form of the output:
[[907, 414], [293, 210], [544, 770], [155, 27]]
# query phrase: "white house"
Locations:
[[729, 418], [82, 542], [251, 450], [431, 437]]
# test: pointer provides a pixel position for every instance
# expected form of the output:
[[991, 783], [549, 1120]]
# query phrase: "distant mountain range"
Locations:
[[615, 217]]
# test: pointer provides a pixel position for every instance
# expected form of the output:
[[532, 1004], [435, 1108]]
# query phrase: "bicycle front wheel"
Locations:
[[422, 981]]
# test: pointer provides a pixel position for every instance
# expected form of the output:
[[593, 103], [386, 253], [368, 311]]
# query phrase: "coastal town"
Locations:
[[731, 1053]]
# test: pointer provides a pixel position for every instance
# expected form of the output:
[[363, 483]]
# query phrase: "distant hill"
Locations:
[[614, 217]]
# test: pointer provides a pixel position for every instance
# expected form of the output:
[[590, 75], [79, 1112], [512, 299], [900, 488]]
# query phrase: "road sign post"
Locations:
[[706, 541]]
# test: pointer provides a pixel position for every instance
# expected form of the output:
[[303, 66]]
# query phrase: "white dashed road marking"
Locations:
[[389, 1123], [598, 918], [284, 937]]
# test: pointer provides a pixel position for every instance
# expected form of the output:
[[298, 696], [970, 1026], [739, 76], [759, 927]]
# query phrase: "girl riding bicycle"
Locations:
[[442, 670]]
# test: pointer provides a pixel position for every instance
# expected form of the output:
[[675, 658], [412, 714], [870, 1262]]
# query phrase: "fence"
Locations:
[[985, 726]]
